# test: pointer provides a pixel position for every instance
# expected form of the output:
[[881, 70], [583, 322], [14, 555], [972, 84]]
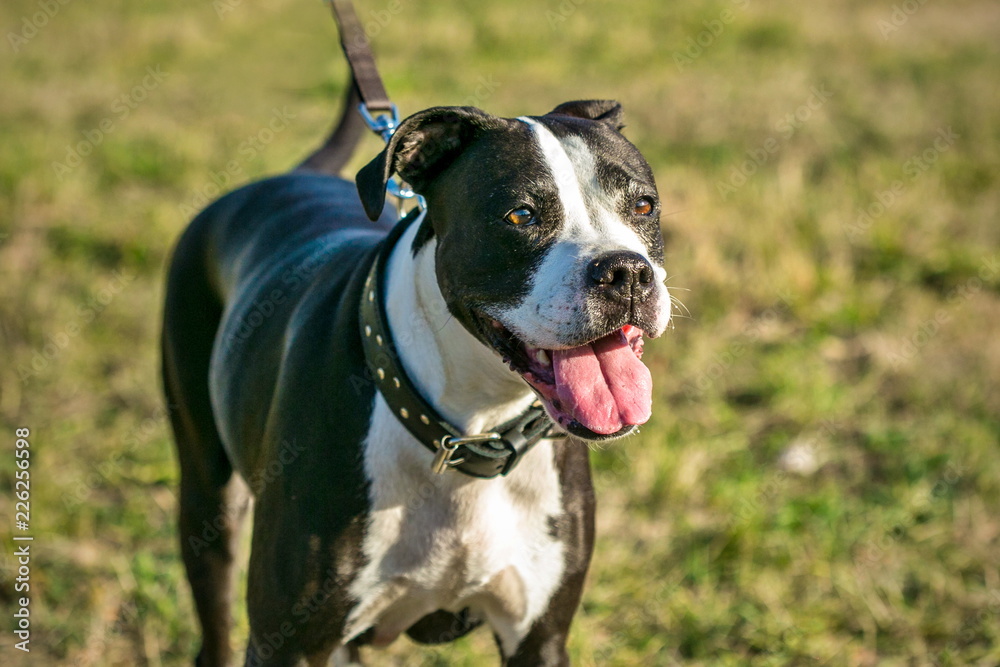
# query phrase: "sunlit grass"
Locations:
[[819, 484]]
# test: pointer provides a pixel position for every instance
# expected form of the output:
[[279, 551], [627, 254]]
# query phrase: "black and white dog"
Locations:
[[335, 364]]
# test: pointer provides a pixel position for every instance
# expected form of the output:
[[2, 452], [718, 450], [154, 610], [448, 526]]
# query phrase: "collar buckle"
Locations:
[[450, 444]]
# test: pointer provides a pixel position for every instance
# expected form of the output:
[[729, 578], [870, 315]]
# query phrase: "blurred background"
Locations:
[[820, 483]]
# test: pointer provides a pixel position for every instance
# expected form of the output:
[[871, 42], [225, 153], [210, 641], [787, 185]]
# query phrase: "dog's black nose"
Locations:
[[626, 273]]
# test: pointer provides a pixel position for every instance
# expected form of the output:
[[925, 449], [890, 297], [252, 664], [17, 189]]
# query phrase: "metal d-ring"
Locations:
[[384, 125], [449, 445]]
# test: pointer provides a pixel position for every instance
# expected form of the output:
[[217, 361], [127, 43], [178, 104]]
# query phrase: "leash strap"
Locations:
[[378, 112], [359, 56]]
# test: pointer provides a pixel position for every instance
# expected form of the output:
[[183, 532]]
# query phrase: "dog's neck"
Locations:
[[462, 378]]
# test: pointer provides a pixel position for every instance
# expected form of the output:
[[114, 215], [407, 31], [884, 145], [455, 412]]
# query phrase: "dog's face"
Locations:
[[548, 248]]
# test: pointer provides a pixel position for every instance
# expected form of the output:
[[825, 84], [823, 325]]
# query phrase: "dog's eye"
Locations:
[[643, 206], [521, 216]]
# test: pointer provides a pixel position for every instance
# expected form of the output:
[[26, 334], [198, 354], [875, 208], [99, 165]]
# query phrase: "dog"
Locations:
[[409, 402]]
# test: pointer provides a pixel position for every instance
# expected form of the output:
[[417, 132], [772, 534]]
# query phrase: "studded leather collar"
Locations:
[[483, 455]]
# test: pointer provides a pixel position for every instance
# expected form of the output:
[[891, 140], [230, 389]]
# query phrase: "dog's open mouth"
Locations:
[[596, 391]]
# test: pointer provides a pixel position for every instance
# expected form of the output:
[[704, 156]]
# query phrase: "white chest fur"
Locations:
[[451, 541]]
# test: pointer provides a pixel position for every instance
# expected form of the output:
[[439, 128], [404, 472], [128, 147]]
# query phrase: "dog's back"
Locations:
[[269, 240]]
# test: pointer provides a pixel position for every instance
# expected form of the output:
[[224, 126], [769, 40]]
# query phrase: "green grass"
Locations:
[[820, 482]]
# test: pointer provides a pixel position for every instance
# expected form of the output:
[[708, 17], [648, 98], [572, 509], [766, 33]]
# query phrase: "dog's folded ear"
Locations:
[[606, 111], [422, 146]]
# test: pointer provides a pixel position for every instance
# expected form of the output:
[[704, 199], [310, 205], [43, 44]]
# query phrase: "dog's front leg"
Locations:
[[545, 644]]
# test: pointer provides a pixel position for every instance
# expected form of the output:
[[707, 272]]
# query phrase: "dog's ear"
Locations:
[[422, 146], [606, 111]]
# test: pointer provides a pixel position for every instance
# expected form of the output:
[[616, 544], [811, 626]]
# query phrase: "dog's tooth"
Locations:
[[543, 358]]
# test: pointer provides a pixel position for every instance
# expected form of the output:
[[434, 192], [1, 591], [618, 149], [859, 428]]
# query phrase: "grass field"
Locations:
[[820, 483]]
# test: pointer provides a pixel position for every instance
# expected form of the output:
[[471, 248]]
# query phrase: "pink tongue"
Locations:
[[603, 384]]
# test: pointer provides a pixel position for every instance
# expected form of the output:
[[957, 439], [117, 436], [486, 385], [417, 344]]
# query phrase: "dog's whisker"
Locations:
[[680, 304]]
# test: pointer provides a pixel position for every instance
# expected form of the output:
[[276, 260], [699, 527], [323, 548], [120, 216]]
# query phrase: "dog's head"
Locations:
[[548, 248]]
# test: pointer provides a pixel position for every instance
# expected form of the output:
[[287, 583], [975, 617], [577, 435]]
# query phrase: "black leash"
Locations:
[[358, 52], [367, 91], [366, 104]]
